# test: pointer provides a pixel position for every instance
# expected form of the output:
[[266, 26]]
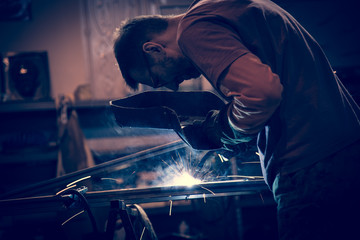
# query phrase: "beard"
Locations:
[[181, 69]]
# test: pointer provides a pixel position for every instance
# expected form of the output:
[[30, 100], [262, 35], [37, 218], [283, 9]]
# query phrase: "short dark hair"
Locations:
[[129, 40]]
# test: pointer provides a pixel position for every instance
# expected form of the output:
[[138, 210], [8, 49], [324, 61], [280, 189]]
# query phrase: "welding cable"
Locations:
[[85, 205], [207, 155], [146, 222], [202, 162]]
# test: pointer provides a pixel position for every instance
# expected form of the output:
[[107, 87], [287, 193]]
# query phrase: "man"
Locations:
[[280, 88]]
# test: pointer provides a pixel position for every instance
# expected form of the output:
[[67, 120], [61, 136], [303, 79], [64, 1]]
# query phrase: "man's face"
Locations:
[[169, 73]]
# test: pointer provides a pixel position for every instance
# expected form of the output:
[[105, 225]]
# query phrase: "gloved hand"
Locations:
[[198, 138], [215, 133]]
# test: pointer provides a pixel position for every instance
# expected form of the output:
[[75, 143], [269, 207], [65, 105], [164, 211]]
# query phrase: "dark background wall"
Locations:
[[59, 27]]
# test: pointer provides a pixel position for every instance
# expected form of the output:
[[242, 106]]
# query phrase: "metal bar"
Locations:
[[140, 195], [125, 218]]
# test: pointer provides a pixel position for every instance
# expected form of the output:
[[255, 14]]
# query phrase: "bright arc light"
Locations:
[[185, 179]]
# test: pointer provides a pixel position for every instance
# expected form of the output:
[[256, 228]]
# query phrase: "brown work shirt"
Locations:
[[276, 77]]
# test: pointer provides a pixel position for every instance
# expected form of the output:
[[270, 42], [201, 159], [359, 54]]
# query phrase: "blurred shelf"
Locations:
[[29, 154], [22, 106]]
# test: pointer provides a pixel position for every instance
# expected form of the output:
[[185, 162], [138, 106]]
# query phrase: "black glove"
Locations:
[[215, 132], [206, 134], [198, 138]]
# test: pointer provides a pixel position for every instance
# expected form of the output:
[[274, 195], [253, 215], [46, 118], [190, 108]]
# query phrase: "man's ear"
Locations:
[[156, 50]]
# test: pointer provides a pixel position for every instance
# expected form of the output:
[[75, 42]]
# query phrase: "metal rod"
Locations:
[[137, 195]]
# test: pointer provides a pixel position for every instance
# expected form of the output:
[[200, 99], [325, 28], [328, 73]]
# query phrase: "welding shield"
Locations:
[[167, 110]]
